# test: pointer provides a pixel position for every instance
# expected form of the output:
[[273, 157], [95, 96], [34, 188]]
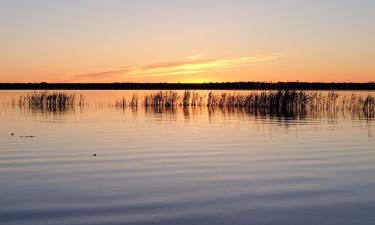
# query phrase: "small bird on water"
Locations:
[[94, 155]]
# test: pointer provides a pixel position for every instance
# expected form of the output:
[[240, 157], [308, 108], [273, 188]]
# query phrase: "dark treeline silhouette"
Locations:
[[190, 86]]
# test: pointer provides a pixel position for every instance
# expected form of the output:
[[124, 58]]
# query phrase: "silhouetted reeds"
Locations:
[[197, 99], [281, 102], [161, 99], [121, 103], [49, 100], [134, 100], [186, 99]]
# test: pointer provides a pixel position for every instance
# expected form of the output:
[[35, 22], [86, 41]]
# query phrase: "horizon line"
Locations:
[[192, 86]]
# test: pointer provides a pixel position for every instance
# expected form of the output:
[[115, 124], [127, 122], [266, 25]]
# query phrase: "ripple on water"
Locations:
[[181, 168]]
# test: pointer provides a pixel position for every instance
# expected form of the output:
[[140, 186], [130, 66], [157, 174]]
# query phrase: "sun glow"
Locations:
[[193, 65], [198, 80]]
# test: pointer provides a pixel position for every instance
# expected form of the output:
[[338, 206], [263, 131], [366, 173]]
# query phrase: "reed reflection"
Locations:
[[272, 104]]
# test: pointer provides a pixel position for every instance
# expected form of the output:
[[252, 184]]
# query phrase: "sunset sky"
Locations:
[[187, 40]]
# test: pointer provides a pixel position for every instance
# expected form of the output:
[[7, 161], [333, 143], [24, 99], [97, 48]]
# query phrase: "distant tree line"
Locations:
[[190, 86]]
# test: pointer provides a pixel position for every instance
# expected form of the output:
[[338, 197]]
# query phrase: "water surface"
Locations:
[[182, 166]]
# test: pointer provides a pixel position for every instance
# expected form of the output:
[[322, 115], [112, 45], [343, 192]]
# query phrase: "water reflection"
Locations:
[[193, 111], [183, 165], [292, 105]]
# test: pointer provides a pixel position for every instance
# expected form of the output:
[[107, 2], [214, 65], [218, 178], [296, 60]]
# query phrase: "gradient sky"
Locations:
[[187, 40]]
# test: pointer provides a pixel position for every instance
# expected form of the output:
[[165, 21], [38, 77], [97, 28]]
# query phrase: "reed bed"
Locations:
[[123, 103], [265, 102], [282, 102], [161, 99], [49, 100]]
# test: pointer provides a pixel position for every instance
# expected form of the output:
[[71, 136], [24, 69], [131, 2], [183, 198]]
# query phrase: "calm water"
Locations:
[[193, 166]]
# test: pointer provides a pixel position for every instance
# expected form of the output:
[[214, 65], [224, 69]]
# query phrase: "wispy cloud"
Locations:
[[198, 66], [103, 76], [192, 65]]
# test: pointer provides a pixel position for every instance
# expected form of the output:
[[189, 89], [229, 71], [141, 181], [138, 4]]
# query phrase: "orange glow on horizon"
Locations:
[[192, 66], [170, 41]]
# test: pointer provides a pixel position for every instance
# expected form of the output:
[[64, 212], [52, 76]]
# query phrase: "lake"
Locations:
[[101, 164]]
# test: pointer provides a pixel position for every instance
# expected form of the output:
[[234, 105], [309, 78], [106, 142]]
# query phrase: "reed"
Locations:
[[281, 102], [133, 101], [161, 99], [121, 103], [81, 100], [369, 104], [197, 99], [186, 99], [49, 100]]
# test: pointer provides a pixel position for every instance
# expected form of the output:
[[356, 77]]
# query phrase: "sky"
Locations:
[[187, 40]]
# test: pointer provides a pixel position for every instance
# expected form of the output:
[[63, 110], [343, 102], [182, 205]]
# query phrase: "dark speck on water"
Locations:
[[94, 155]]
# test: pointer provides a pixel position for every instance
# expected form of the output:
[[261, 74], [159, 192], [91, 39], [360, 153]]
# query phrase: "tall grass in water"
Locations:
[[121, 103], [197, 99], [49, 100], [134, 101], [269, 102], [359, 104], [186, 99], [282, 102], [161, 99], [192, 99]]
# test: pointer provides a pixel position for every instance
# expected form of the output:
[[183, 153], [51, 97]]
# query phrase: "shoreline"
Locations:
[[317, 86]]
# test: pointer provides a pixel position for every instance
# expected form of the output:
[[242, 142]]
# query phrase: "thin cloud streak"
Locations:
[[193, 65], [198, 66], [97, 76]]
